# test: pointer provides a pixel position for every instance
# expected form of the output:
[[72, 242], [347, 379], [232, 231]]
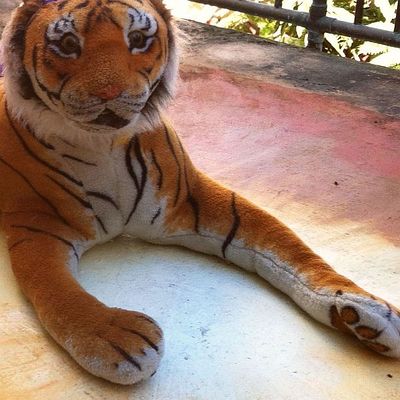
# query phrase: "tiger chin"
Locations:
[[86, 155]]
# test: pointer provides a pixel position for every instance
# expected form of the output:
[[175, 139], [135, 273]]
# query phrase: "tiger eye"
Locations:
[[70, 44], [137, 40]]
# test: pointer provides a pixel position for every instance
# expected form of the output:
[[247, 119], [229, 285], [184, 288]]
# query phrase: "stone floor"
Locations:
[[306, 137]]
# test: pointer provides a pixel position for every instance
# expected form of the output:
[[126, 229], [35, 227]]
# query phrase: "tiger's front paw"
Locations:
[[373, 321], [123, 346]]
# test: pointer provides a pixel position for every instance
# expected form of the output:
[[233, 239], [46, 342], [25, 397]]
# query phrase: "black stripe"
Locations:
[[104, 197], [18, 45], [190, 198], [98, 219], [82, 5], [101, 17], [78, 160], [88, 18], [132, 19], [145, 338], [158, 213], [40, 140], [61, 5], [178, 183], [83, 202], [67, 143], [36, 230], [140, 159], [18, 243], [63, 84], [154, 85], [160, 172], [389, 312], [109, 14], [235, 226], [124, 354], [36, 192], [51, 95], [148, 319], [128, 163], [146, 76], [45, 144], [36, 157], [196, 211], [148, 24]]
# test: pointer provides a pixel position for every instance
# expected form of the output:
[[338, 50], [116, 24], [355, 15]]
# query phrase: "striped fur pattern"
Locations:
[[86, 156]]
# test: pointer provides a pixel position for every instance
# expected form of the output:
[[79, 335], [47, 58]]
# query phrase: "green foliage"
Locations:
[[377, 13]]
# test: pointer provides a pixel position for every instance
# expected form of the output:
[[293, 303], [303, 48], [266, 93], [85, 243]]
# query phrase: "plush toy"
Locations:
[[86, 155]]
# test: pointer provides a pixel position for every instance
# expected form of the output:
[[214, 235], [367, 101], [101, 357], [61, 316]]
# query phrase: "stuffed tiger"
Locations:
[[86, 155]]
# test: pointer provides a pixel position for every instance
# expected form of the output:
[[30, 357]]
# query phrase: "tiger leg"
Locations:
[[118, 345], [216, 221]]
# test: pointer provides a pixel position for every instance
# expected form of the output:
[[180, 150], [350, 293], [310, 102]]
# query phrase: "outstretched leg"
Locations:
[[211, 219], [118, 345]]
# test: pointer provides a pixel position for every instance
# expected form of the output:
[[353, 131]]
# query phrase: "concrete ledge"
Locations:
[[362, 84]]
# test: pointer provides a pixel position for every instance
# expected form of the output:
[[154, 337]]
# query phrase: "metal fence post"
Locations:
[[316, 21], [318, 10]]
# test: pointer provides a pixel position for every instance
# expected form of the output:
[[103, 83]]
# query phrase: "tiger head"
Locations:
[[98, 65]]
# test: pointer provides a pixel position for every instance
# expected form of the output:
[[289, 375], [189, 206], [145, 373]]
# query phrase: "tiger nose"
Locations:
[[109, 92]]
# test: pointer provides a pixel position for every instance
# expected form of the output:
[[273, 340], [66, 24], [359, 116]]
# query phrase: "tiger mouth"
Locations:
[[109, 118]]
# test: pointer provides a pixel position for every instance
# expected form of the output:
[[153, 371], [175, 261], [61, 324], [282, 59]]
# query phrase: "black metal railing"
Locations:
[[316, 20]]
